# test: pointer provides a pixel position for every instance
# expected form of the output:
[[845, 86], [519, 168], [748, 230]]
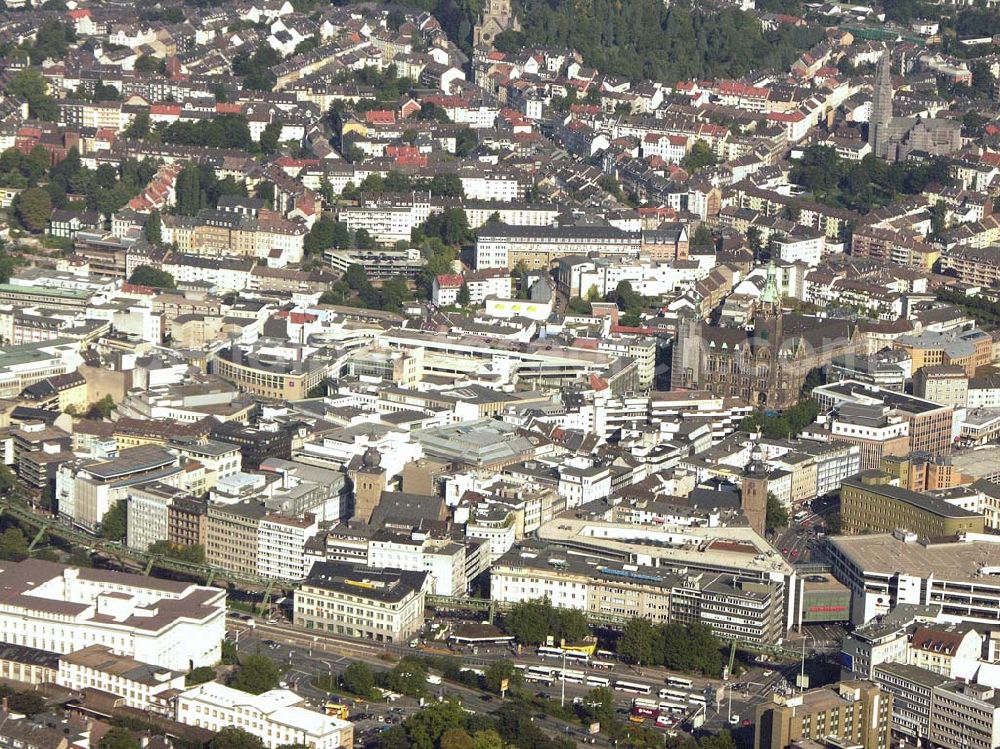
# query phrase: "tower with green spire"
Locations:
[[770, 297]]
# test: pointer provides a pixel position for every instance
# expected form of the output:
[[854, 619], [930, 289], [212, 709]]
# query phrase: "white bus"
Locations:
[[544, 652], [598, 681], [539, 674], [679, 681], [605, 665], [648, 704], [672, 707], [606, 655], [576, 656], [631, 686], [573, 677], [673, 694], [697, 699]]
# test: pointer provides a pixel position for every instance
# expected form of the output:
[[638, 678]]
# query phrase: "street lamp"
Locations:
[[562, 699], [802, 674]]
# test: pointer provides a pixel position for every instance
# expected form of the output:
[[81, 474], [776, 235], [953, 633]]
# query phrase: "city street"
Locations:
[[307, 656]]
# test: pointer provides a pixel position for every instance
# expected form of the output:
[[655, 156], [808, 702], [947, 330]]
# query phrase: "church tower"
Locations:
[[369, 481], [881, 111], [496, 17]]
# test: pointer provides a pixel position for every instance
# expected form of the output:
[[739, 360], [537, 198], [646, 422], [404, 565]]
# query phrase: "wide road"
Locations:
[[307, 656]]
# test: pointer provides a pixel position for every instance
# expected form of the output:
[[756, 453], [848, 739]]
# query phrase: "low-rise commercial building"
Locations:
[[277, 717], [142, 686]]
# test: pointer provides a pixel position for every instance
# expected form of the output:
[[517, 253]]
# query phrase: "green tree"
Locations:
[[394, 293], [321, 236], [30, 86], [7, 479], [29, 703], [270, 137], [150, 64], [115, 520], [499, 670], [699, 157], [256, 674], [80, 558], [487, 739], [571, 625], [118, 738], [154, 232], [200, 675], [33, 208], [101, 409], [359, 679], [530, 622], [363, 240], [463, 295], [235, 738], [147, 275], [702, 237], [776, 516], [456, 738], [637, 641], [408, 676], [447, 186], [13, 545]]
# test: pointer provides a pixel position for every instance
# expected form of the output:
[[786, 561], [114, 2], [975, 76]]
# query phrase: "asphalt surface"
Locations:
[[308, 656]]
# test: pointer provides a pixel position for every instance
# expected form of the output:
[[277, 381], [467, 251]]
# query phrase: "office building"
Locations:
[[911, 688], [385, 605], [87, 489], [930, 424], [870, 504], [964, 716], [854, 713]]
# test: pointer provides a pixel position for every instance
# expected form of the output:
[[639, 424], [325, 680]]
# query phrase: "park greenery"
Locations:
[[147, 275], [192, 554], [680, 647], [647, 39], [256, 674], [863, 185], [114, 523], [533, 622], [788, 423], [985, 311]]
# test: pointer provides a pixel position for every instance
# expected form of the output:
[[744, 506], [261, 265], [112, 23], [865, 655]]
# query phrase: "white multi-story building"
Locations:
[[63, 609], [281, 543], [388, 222], [147, 513], [277, 716], [442, 559], [802, 245], [87, 489], [581, 482], [496, 525], [142, 686]]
